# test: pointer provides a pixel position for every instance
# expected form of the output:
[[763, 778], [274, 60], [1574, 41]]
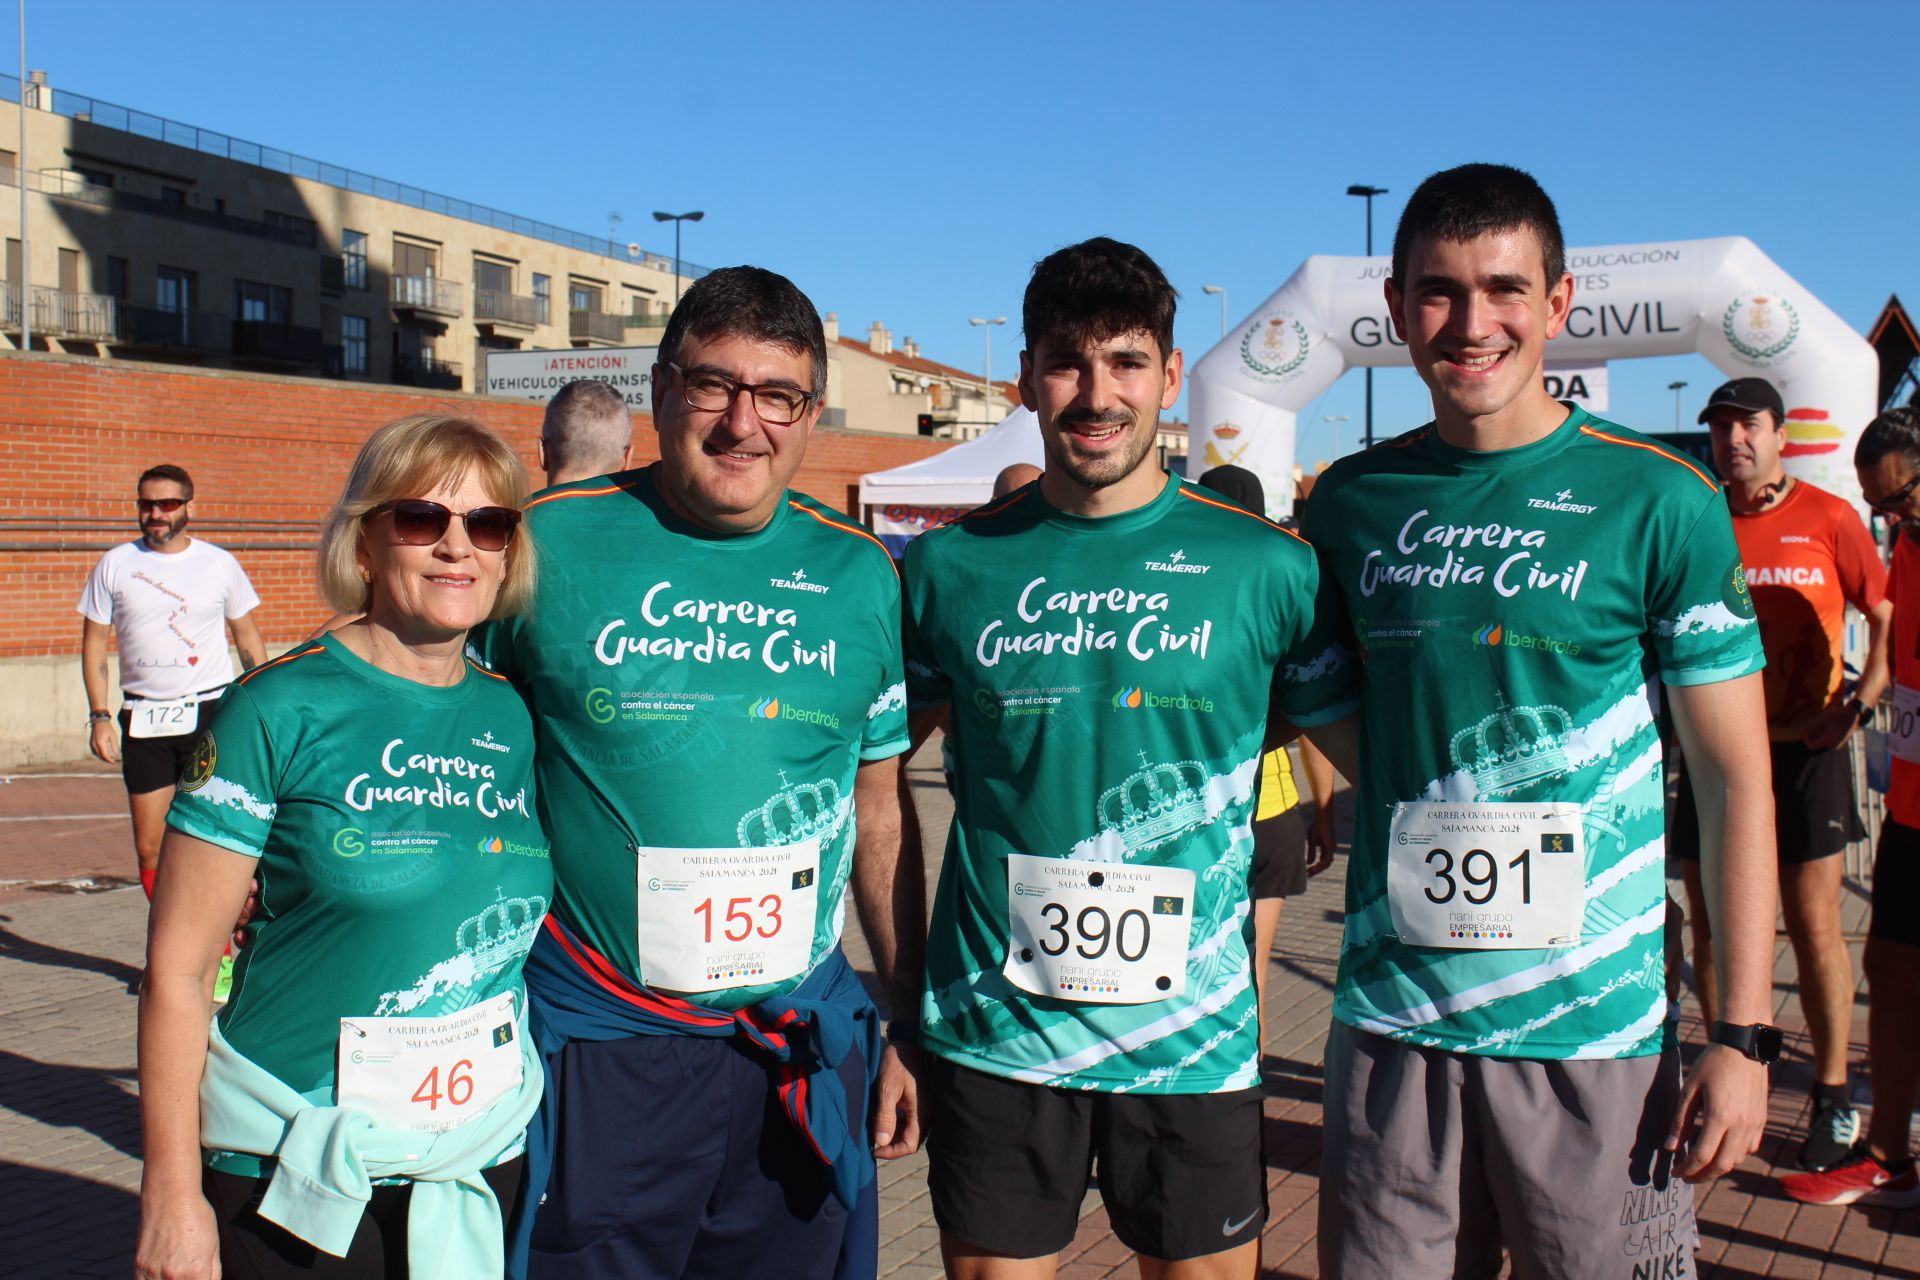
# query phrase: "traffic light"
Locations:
[[925, 423]]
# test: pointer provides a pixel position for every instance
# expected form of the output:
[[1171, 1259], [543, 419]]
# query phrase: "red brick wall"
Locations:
[[75, 434]]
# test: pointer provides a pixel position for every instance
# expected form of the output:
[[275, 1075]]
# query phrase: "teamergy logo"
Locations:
[[797, 581], [1135, 698], [1497, 636], [1176, 563], [1563, 501], [487, 743], [774, 709]]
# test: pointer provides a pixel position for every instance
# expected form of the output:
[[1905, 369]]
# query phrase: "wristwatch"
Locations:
[[95, 717], [1861, 711], [1759, 1041]]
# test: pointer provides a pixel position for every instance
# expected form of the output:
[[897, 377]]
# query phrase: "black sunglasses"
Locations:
[[1891, 504], [420, 523], [165, 506]]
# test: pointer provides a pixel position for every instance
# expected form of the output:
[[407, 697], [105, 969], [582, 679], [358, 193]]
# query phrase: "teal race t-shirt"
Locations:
[[1109, 681], [703, 703], [1517, 611], [402, 869]]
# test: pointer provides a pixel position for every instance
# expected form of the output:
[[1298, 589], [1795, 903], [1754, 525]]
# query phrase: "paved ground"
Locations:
[[69, 1127]]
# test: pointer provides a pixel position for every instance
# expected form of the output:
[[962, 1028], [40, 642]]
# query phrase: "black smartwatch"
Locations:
[[1861, 711], [1759, 1041]]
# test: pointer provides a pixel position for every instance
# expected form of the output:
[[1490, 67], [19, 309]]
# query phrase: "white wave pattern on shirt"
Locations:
[[1634, 1033], [1512, 1036], [1235, 786], [1596, 740], [893, 698], [1180, 1019], [454, 972], [1567, 962], [1325, 663], [235, 796], [1702, 617], [1654, 851], [1171, 1072]]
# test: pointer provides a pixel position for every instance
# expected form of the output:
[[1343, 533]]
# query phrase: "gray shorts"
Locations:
[[1437, 1162]]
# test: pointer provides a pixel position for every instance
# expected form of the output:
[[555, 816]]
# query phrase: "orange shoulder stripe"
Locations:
[[1407, 443], [1240, 511], [483, 671], [844, 527], [285, 657], [1013, 498], [1655, 449], [576, 493]]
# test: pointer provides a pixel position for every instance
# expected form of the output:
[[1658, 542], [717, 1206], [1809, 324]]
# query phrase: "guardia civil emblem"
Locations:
[[201, 764], [1760, 326], [1275, 346]]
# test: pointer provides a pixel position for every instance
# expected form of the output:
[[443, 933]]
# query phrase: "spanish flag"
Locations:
[[1809, 432]]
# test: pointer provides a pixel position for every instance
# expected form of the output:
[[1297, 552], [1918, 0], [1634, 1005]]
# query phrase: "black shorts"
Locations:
[[1280, 855], [1814, 814], [155, 764], [1896, 886], [252, 1248], [1182, 1175]]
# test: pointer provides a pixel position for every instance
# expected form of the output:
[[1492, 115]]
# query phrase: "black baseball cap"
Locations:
[[1750, 394]]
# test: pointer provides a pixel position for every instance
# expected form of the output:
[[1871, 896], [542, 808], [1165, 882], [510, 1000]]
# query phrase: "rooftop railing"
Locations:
[[109, 115]]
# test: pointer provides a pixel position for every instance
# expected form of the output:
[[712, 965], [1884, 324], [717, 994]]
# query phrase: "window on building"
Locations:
[[94, 177], [262, 302], [543, 290], [69, 270], [353, 256], [9, 162], [415, 261], [353, 344], [113, 273], [583, 297], [291, 221], [13, 261], [173, 289], [172, 195], [492, 277]]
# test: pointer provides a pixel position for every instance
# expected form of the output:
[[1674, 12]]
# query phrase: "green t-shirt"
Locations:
[[402, 870], [695, 691], [1109, 681], [1516, 611]]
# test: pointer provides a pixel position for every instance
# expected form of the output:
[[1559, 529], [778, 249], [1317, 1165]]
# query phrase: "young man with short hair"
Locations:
[[1807, 558], [1520, 579], [1880, 1168], [1108, 643], [169, 600]]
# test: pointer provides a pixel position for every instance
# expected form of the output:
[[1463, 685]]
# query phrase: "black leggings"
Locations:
[[251, 1248]]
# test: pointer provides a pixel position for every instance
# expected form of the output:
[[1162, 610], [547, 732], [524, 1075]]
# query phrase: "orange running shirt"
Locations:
[[1903, 800], [1806, 559]]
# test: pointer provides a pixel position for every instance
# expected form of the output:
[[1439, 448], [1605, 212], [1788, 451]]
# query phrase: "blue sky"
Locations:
[[908, 162]]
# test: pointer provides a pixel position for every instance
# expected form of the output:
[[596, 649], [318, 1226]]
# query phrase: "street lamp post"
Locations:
[[1368, 193], [1676, 388], [676, 219], [1334, 420], [986, 394], [1222, 291]]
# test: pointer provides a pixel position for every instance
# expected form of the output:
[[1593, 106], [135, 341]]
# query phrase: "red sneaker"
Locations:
[[1858, 1177]]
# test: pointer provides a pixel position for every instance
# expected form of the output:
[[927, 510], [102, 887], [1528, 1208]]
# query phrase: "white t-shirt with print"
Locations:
[[170, 614]]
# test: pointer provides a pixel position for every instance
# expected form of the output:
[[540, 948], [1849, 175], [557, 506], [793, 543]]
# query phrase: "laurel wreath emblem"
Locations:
[[1760, 353], [1271, 371]]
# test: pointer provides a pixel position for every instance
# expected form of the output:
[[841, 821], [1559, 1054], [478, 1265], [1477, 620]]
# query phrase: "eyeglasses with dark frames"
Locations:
[[418, 522], [1891, 504], [712, 392], [165, 506]]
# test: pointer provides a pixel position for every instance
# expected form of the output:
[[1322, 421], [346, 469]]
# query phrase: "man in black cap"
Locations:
[[1807, 558]]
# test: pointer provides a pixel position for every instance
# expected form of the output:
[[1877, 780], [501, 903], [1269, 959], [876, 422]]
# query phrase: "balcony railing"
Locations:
[[657, 323], [274, 343], [425, 371], [163, 329], [596, 326], [493, 306], [428, 293], [63, 315]]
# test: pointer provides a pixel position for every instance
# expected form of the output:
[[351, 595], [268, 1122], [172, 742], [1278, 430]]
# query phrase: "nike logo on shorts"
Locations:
[[1233, 1228]]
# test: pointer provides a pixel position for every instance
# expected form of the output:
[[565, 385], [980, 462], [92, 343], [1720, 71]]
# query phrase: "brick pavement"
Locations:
[[69, 1125]]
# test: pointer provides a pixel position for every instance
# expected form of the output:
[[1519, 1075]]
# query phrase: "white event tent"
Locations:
[[906, 501]]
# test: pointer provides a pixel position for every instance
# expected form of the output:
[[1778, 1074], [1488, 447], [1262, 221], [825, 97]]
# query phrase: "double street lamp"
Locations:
[[1368, 193], [986, 393], [1222, 291], [1676, 388], [676, 219]]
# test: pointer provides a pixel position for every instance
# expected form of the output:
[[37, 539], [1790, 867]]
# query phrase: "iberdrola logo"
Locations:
[[492, 844], [1133, 697], [766, 709], [1489, 636], [1130, 697]]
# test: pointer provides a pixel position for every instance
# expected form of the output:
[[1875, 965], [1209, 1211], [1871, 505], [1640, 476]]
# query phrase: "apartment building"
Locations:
[[875, 385], [154, 240]]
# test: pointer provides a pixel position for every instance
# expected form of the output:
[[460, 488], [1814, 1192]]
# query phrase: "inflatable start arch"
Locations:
[[1721, 298]]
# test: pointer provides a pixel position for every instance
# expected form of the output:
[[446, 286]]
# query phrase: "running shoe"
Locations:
[[1857, 1177], [1830, 1137], [223, 985]]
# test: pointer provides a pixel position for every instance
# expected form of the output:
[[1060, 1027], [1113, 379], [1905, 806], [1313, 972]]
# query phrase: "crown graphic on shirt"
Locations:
[[1155, 803], [1514, 746], [794, 813], [503, 932]]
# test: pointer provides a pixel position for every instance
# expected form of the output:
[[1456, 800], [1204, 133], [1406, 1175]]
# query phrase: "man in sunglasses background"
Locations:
[[1807, 557], [169, 599], [713, 663]]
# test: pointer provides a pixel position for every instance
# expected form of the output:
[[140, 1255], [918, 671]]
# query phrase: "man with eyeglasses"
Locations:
[[1807, 558], [713, 663], [1880, 1168], [169, 599]]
